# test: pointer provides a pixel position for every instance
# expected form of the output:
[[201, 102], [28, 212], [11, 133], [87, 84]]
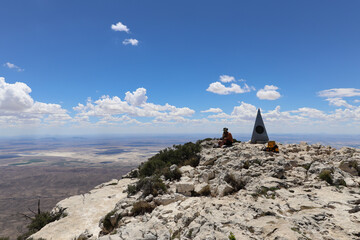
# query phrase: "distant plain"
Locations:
[[51, 169]]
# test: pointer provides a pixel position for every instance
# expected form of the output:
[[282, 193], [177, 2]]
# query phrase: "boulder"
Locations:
[[350, 166], [185, 186]]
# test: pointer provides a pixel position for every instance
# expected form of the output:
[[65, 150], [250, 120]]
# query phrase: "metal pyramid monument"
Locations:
[[259, 133]]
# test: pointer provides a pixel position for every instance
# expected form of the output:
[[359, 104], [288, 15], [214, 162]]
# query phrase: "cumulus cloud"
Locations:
[[13, 66], [227, 78], [120, 27], [245, 111], [219, 88], [339, 102], [136, 98], [18, 107], [14, 97], [339, 92], [356, 101], [212, 110], [310, 112], [268, 93], [131, 41], [134, 105]]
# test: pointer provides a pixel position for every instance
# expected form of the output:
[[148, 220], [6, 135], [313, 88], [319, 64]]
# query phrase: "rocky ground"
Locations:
[[303, 192]]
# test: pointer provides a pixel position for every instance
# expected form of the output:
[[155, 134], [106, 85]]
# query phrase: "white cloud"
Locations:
[[245, 111], [131, 41], [120, 27], [219, 88], [212, 110], [13, 66], [14, 97], [340, 92], [227, 78], [136, 98], [268, 93], [339, 102], [310, 112], [18, 107], [135, 105], [356, 101]]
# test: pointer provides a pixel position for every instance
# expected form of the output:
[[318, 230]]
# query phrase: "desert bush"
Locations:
[[40, 219], [325, 175], [246, 164], [231, 236], [264, 191], [4, 238], [149, 185], [108, 226], [306, 166], [237, 185], [131, 189], [204, 140], [142, 207], [340, 182], [178, 154], [194, 162], [172, 175]]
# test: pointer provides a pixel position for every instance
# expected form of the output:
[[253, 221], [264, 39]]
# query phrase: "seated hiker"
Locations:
[[226, 139]]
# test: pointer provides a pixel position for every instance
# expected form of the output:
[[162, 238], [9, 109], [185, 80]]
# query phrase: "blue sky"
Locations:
[[299, 61]]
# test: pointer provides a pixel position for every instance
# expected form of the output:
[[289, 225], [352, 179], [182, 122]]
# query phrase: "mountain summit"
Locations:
[[304, 192]]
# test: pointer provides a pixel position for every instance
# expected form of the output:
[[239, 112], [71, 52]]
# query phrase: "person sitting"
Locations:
[[226, 139]]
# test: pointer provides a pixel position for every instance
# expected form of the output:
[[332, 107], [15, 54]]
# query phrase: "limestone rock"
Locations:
[[185, 187], [254, 194]]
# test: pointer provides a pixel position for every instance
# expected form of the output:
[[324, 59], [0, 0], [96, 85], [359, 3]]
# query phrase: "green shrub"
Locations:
[[189, 234], [231, 236], [306, 166], [151, 185], [4, 238], [131, 189], [40, 220], [194, 162], [142, 207], [172, 175], [178, 154], [246, 164], [325, 175], [108, 226]]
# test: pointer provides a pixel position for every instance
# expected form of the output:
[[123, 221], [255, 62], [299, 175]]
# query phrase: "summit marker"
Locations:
[[259, 133]]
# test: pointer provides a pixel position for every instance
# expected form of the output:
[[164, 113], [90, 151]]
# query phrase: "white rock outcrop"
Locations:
[[85, 211], [252, 193]]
